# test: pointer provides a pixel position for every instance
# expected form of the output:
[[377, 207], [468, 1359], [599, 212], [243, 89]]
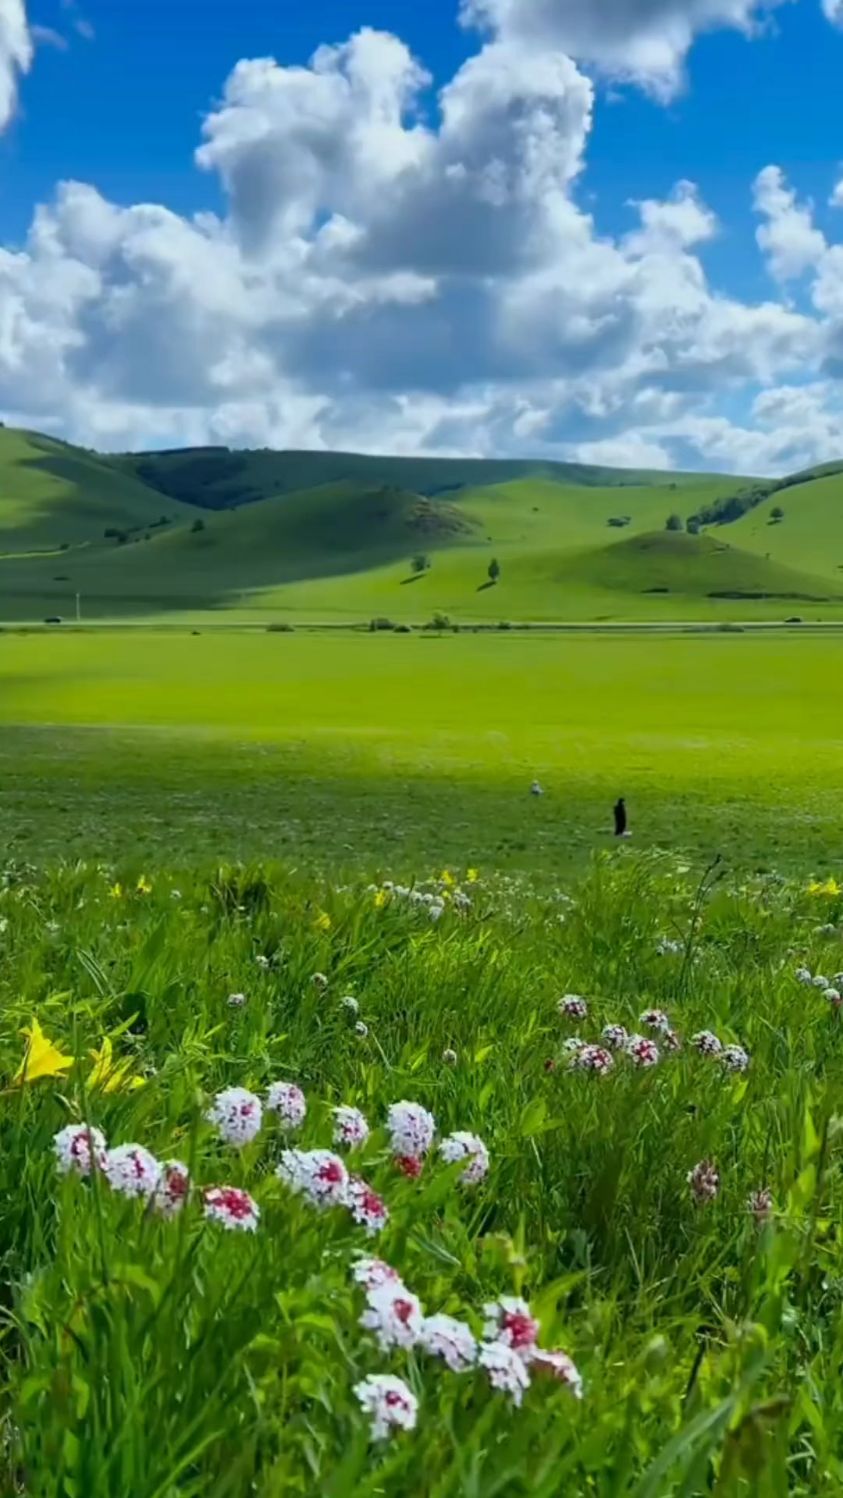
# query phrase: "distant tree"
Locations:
[[420, 563], [494, 570], [674, 523], [777, 513], [122, 538], [198, 525], [692, 525]]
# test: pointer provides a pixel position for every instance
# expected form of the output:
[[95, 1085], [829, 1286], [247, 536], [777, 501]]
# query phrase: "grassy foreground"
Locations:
[[163, 1356], [407, 752]]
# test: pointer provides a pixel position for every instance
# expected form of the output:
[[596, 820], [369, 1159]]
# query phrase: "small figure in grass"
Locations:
[[620, 818], [536, 789]]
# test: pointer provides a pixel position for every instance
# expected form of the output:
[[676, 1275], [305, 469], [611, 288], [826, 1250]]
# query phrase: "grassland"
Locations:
[[404, 752]]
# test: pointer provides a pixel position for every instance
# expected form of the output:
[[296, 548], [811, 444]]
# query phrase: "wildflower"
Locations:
[[833, 996], [319, 981], [706, 1042], [469, 1147], [734, 1058], [593, 1058], [388, 1402], [374, 1273], [350, 1004], [40, 1058], [172, 1189], [449, 1057], [350, 1127], [615, 1036], [409, 1165], [445, 1337], [820, 981], [262, 962], [507, 1372], [436, 910], [112, 1076], [509, 1321], [236, 1000], [573, 1045], [361, 1029], [79, 1147], [704, 1181], [830, 889], [472, 876], [803, 975], [132, 1170], [655, 1019], [143, 886], [317, 1174], [760, 1205], [668, 948], [322, 921], [561, 1367], [289, 1103], [232, 1208], [642, 1051], [175, 894], [395, 1316], [367, 1208], [461, 900], [447, 878], [828, 929], [238, 1115], [116, 891], [381, 899], [411, 1129], [572, 1006]]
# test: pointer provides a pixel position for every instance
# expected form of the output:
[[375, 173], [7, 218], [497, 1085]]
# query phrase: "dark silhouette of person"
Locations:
[[620, 817]]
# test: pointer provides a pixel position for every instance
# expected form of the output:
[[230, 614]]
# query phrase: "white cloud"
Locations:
[[645, 41], [833, 11], [15, 54], [397, 272]]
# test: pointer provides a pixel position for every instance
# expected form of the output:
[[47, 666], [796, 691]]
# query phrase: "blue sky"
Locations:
[[116, 99]]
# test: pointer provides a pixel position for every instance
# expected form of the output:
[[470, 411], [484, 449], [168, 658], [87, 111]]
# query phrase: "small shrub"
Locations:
[[280, 627], [674, 523], [617, 522], [403, 629], [494, 570], [381, 623], [198, 525]]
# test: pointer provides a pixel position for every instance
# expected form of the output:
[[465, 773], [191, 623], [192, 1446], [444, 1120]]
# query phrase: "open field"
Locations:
[[403, 752], [671, 1227]]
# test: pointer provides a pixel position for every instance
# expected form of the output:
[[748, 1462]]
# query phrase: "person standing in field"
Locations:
[[620, 817]]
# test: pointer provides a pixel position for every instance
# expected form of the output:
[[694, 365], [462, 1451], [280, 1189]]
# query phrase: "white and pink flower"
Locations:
[[615, 1037], [411, 1130], [572, 1006], [172, 1189], [507, 1371], [395, 1316], [593, 1058], [468, 1147], [560, 1367], [79, 1149], [351, 1128], [238, 1115], [288, 1102], [451, 1340], [655, 1019], [132, 1171], [319, 1175], [510, 1321], [233, 1209], [366, 1207], [642, 1051], [388, 1402], [707, 1043], [372, 1274]]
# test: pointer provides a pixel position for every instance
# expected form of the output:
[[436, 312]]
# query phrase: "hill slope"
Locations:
[[55, 496]]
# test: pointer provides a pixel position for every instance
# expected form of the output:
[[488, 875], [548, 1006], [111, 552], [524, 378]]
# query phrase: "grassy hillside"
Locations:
[[55, 496], [593, 547]]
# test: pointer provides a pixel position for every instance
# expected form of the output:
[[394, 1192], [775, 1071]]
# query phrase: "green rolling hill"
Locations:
[[311, 537]]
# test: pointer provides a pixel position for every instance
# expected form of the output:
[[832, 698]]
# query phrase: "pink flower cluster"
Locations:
[[324, 1180], [507, 1352]]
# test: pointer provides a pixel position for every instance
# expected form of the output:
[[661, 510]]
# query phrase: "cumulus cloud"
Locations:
[[15, 54], [398, 270], [645, 41], [833, 11]]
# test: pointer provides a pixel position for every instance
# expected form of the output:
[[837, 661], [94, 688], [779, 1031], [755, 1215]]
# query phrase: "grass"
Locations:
[[155, 1357], [400, 752]]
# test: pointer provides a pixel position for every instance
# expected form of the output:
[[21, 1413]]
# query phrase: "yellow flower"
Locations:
[[472, 876], [116, 891], [831, 888], [111, 1076], [446, 877], [143, 886], [323, 921], [381, 898], [41, 1058]]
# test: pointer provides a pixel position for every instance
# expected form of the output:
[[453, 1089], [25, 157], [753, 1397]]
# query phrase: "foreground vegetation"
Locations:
[[673, 1227]]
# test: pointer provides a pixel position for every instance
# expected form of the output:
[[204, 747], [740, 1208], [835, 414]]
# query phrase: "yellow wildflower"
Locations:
[[110, 1075], [381, 898], [447, 878], [116, 891], [830, 889], [41, 1058], [323, 921], [143, 886], [472, 876]]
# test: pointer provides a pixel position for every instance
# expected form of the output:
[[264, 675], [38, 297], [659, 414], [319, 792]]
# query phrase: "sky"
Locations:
[[601, 230]]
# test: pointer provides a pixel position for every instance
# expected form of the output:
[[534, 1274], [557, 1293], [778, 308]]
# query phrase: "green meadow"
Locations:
[[407, 751]]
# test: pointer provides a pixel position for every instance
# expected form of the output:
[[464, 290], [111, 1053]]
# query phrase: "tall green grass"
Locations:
[[169, 1358]]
